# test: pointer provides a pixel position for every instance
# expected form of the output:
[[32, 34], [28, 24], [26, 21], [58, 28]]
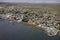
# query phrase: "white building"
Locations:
[[51, 31]]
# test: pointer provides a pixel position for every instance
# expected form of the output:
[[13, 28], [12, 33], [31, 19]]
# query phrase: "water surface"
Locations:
[[9, 31]]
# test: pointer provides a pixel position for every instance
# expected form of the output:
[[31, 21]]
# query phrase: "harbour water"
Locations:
[[10, 31]]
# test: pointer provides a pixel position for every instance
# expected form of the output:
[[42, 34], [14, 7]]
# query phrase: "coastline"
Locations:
[[39, 28], [22, 31]]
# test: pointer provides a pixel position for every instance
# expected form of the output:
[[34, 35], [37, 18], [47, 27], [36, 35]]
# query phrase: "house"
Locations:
[[19, 18], [1, 7], [8, 15], [58, 20], [31, 22]]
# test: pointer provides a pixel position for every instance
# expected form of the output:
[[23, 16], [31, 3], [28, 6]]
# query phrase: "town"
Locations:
[[43, 18]]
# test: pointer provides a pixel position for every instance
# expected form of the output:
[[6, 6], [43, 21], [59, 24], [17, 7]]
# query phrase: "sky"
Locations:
[[32, 1]]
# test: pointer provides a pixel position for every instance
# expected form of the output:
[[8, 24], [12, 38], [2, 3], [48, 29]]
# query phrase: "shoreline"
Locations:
[[39, 28]]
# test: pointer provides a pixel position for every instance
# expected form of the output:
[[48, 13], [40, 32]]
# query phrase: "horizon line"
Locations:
[[29, 2]]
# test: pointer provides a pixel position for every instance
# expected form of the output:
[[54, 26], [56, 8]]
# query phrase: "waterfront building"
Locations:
[[57, 21], [51, 31], [32, 22], [19, 18]]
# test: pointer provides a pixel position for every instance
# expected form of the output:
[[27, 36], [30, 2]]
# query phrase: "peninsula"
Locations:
[[45, 17]]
